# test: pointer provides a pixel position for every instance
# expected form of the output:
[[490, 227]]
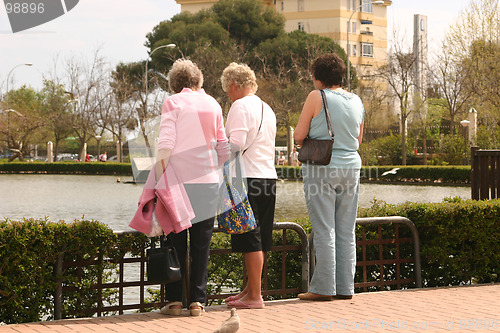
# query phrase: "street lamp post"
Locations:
[[378, 2], [98, 138], [8, 126], [465, 124], [8, 75], [10, 110], [170, 46]]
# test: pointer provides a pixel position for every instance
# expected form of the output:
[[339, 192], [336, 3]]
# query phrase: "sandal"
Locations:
[[232, 298], [172, 308], [239, 304], [196, 309]]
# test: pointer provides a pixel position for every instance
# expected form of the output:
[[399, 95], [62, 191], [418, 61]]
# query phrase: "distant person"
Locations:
[[294, 157], [331, 191], [103, 157], [282, 159], [251, 128], [87, 158]]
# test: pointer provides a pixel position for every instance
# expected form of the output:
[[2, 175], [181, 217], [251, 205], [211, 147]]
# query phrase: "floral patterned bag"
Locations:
[[234, 213]]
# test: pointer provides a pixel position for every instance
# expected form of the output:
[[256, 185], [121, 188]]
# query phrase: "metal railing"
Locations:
[[122, 283], [284, 248], [485, 174], [307, 260], [376, 276]]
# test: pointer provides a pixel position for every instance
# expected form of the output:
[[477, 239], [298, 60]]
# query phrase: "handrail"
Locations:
[[414, 232], [121, 284], [306, 249], [387, 220]]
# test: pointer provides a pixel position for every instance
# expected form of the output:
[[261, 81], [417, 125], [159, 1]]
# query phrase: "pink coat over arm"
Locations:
[[173, 208]]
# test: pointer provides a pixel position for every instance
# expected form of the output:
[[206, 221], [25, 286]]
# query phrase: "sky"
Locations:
[[118, 29]]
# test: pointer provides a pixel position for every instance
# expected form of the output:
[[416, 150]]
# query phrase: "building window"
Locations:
[[300, 5], [282, 6], [349, 4], [367, 50], [354, 50], [367, 6], [301, 26], [353, 27]]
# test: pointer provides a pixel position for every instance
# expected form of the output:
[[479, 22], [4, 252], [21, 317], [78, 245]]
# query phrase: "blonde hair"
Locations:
[[184, 74], [239, 74]]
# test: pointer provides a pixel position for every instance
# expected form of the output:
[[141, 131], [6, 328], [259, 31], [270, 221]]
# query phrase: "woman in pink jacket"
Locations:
[[193, 142]]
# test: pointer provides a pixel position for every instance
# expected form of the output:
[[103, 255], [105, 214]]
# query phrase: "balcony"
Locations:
[[366, 37]]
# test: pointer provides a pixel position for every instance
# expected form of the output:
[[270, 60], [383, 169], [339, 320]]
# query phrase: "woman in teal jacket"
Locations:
[[332, 190]]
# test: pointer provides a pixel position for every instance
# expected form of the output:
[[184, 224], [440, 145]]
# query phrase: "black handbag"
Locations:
[[162, 263], [318, 152]]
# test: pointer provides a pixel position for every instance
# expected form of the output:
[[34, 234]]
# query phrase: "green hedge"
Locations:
[[418, 174], [28, 255], [459, 239], [413, 174], [89, 168]]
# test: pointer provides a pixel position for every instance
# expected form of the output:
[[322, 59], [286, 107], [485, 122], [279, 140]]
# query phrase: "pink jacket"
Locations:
[[192, 126], [173, 208]]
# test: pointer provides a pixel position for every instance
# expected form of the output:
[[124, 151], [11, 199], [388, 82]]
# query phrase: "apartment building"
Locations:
[[359, 26]]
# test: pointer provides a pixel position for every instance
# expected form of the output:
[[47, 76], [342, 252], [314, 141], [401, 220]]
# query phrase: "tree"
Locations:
[[452, 80], [125, 101], [248, 22], [376, 104], [474, 43], [283, 65], [399, 74], [189, 32], [22, 108], [89, 85], [56, 109], [229, 31]]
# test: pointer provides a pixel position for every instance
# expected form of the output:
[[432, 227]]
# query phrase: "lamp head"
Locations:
[[465, 123], [378, 2]]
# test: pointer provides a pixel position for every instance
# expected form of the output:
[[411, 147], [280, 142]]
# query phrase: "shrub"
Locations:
[[459, 239], [453, 149], [97, 168], [28, 254], [419, 174]]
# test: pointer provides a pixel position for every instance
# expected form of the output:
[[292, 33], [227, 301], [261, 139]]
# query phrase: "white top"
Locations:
[[242, 124]]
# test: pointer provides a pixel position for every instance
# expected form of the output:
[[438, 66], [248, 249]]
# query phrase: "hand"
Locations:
[[160, 167], [223, 150]]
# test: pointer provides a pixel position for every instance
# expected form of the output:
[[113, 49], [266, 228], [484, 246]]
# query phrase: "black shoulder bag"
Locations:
[[163, 265], [318, 152]]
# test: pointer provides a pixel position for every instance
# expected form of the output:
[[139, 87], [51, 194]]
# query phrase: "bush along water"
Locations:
[[404, 174], [459, 239]]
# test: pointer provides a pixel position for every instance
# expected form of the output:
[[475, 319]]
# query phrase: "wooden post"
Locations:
[[474, 174]]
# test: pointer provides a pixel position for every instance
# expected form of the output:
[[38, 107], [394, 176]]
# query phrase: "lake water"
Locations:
[[69, 197]]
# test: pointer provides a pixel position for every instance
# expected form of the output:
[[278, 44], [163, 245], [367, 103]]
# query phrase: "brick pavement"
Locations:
[[454, 309]]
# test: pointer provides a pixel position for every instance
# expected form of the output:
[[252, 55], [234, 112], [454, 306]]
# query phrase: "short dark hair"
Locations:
[[329, 69]]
